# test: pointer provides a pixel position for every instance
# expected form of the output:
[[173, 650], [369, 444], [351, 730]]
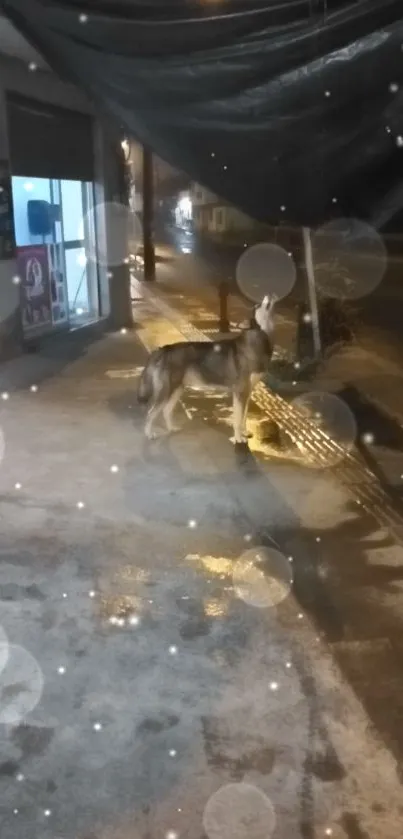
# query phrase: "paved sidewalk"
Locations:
[[140, 675]]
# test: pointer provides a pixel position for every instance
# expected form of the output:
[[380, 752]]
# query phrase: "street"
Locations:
[[377, 316], [196, 641]]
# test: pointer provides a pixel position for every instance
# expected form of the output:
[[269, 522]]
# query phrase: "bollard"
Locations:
[[223, 294]]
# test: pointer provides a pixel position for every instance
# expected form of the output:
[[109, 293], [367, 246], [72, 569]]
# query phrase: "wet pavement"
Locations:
[[196, 641]]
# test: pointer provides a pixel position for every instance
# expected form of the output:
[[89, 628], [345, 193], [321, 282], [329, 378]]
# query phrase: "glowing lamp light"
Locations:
[[28, 186], [185, 206]]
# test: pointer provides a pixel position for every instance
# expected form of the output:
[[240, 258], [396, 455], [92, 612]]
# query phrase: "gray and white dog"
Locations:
[[233, 364]]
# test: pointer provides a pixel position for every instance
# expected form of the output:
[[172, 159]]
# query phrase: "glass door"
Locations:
[[56, 252]]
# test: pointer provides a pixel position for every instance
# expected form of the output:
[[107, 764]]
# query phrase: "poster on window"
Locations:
[[58, 290], [33, 270]]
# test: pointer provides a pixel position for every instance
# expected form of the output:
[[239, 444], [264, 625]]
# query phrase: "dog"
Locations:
[[233, 364]]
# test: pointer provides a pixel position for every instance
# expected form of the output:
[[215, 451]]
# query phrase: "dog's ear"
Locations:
[[271, 301]]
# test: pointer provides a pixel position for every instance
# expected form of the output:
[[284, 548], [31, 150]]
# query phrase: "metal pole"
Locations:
[[313, 301], [148, 215]]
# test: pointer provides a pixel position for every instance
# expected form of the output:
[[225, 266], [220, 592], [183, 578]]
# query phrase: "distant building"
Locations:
[[214, 215]]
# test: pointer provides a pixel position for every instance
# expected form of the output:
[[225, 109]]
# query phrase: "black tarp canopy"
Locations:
[[289, 109]]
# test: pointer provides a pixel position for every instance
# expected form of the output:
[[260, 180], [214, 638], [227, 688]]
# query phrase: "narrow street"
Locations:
[[147, 664]]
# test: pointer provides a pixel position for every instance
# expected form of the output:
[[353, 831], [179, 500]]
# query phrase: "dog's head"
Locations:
[[263, 314]]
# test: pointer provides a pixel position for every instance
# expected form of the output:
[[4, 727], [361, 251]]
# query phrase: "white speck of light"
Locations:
[[172, 753], [61, 670], [192, 523], [307, 317], [288, 664], [327, 94], [79, 311], [20, 777], [294, 383], [47, 813], [393, 87], [290, 559], [80, 505], [32, 66], [5, 395], [186, 250], [173, 650], [16, 279], [120, 621], [34, 388], [114, 468], [282, 208], [172, 834], [113, 620], [91, 593], [64, 595], [328, 831], [179, 810], [297, 365], [273, 685], [399, 141], [97, 726], [15, 811], [18, 486], [387, 129], [334, 200], [134, 620], [300, 615], [213, 154], [368, 439], [248, 537], [123, 331], [83, 18], [318, 538]]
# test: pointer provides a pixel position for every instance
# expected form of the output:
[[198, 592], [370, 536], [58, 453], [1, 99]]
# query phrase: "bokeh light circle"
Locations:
[[21, 683], [263, 269], [262, 577], [332, 416], [350, 259], [112, 231], [4, 650], [239, 811]]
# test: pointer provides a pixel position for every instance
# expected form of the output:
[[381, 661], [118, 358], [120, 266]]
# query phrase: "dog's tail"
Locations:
[[145, 388]]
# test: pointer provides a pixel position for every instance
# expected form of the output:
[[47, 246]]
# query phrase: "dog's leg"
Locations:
[[245, 417], [239, 405], [152, 415], [169, 408]]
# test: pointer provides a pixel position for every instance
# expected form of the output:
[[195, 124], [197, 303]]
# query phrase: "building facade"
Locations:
[[212, 215], [62, 255]]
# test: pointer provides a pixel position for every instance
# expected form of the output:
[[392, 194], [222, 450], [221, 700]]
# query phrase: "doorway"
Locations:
[[53, 203], [54, 220]]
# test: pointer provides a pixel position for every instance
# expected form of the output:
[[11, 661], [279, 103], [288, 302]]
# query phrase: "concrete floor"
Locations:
[[152, 686]]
